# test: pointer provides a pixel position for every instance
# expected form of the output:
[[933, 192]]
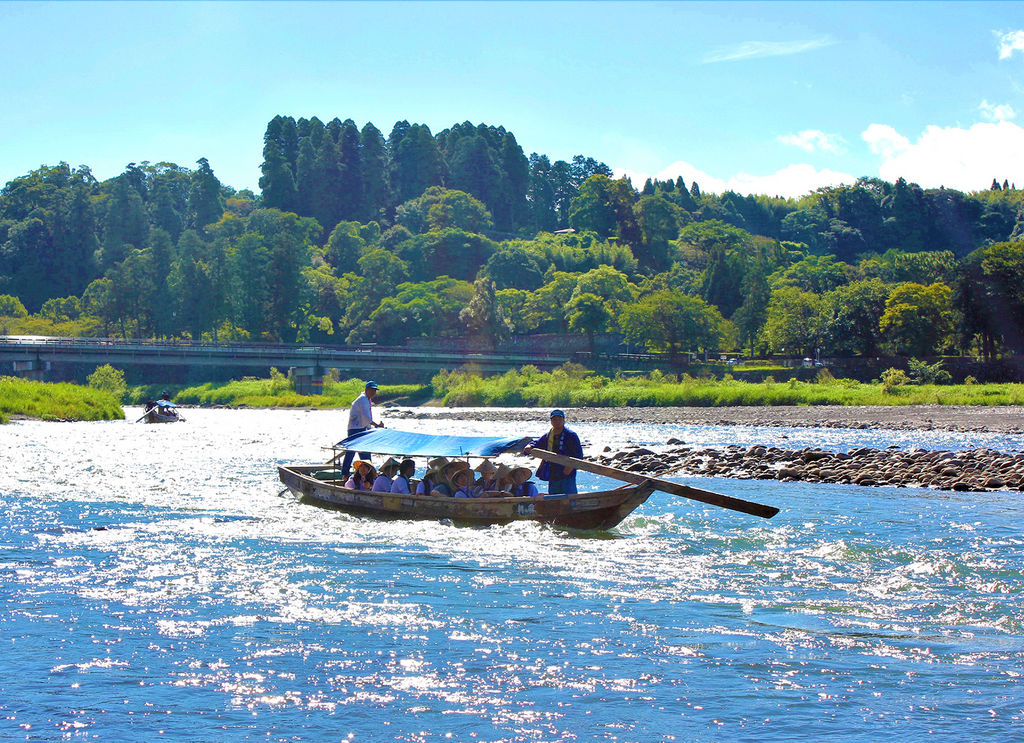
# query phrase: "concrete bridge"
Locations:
[[163, 361]]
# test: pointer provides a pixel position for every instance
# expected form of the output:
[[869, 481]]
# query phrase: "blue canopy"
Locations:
[[387, 441]]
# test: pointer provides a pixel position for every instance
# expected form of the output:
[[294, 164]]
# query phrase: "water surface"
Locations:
[[154, 584]]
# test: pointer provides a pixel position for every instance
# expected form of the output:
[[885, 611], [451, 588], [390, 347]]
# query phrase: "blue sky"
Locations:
[[758, 97]]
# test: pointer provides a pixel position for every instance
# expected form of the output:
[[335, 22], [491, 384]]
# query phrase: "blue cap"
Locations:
[[371, 385], [557, 412]]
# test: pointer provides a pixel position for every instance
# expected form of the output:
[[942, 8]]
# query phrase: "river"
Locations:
[[153, 584]]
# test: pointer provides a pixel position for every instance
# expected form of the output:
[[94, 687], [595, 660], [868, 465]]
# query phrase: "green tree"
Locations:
[[11, 306], [376, 192], [752, 314], [429, 308], [659, 221], [441, 208], [416, 162], [851, 315], [98, 301], [670, 320], [605, 206], [817, 274], [205, 202], [448, 252], [483, 317], [126, 225], [918, 319], [513, 268], [345, 246], [587, 313], [545, 308], [793, 321]]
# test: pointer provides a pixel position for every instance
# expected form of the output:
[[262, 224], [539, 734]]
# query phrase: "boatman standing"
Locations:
[[360, 418], [559, 440]]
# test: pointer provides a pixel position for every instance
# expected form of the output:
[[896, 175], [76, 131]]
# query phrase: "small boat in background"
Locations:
[[161, 411]]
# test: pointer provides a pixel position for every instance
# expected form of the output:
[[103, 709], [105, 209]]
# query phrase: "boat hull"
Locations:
[[601, 510], [154, 417]]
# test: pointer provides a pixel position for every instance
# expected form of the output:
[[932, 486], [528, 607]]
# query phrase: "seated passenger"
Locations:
[[405, 472], [363, 475], [522, 485], [462, 484], [486, 482], [447, 486], [432, 477], [387, 470], [503, 479]]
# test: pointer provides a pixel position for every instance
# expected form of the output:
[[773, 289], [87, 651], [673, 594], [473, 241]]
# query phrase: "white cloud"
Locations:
[[1010, 42], [758, 49], [884, 140], [955, 157], [810, 140], [994, 112], [792, 181]]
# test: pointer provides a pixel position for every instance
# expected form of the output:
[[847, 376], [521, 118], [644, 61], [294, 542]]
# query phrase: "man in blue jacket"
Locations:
[[559, 440]]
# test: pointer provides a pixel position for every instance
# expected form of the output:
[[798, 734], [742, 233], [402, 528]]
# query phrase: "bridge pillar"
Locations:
[[32, 369], [308, 380]]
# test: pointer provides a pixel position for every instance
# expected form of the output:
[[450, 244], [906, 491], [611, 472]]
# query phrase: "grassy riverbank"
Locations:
[[278, 392], [61, 401], [577, 388]]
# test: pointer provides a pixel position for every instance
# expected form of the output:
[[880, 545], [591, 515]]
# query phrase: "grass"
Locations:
[[278, 392], [56, 402], [574, 387]]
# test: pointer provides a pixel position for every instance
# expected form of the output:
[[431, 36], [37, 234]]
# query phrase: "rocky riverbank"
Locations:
[[974, 470], [994, 419]]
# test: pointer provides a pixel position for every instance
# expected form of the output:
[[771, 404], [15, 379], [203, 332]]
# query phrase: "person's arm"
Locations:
[[538, 444]]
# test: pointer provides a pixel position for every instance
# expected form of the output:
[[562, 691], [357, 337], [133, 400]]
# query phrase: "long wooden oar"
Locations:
[[704, 496]]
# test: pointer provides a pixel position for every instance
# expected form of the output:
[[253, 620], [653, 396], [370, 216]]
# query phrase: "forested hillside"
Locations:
[[357, 237]]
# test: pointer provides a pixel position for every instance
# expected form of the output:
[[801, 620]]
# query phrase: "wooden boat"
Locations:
[[161, 411], [600, 510], [153, 415], [319, 485]]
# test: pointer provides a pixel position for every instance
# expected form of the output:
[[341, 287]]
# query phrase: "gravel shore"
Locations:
[[995, 419]]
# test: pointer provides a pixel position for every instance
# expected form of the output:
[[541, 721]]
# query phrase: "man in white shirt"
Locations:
[[360, 418]]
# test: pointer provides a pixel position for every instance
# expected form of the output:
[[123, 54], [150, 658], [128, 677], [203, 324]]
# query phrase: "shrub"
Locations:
[[922, 372], [109, 379], [279, 382], [893, 379], [824, 376]]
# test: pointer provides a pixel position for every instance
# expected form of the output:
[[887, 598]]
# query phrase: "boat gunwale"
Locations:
[[297, 469]]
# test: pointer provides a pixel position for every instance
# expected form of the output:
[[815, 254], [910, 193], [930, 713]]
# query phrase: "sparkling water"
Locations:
[[154, 584]]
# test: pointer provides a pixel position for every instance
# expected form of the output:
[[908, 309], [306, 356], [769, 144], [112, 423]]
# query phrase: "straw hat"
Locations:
[[360, 463], [451, 468], [462, 475], [390, 467], [503, 472], [520, 475], [436, 464], [486, 468]]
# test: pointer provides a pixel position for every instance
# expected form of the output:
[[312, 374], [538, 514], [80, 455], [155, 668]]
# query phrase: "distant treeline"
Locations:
[[355, 237]]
